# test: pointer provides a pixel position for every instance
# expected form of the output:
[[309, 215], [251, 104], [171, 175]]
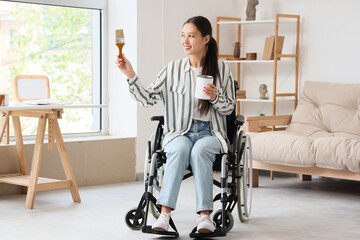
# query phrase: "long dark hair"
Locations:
[[210, 62]]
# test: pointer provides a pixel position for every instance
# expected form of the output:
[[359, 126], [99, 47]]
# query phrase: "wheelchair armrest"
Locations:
[[239, 120], [158, 118]]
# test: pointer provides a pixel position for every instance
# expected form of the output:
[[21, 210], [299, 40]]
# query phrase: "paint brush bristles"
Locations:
[[119, 36]]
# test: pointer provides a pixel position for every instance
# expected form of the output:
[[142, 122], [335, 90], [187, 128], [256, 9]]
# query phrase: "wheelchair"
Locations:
[[235, 182]]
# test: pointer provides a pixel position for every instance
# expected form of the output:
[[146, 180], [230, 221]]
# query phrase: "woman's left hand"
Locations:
[[210, 91]]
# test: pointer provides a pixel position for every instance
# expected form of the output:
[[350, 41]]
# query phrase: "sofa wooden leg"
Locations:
[[304, 177], [255, 177], [271, 175]]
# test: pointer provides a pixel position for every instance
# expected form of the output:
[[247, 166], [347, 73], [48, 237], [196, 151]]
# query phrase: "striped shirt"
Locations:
[[174, 87]]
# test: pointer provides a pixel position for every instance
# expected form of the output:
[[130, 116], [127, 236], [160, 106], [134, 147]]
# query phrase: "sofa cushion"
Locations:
[[283, 148], [338, 153], [327, 109], [324, 130]]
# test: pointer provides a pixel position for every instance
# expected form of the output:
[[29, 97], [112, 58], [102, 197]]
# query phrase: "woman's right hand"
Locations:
[[125, 66]]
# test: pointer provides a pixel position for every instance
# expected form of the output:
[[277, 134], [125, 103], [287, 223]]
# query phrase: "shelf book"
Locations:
[[269, 46]]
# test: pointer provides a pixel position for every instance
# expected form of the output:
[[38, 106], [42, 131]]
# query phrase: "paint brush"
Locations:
[[119, 41]]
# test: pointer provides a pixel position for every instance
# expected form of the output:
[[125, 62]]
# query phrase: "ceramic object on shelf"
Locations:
[[237, 46], [264, 94], [251, 10], [251, 56]]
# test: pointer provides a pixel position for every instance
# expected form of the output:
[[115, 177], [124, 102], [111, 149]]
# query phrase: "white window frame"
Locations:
[[100, 58]]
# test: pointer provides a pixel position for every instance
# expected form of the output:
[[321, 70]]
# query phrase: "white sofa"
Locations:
[[322, 137]]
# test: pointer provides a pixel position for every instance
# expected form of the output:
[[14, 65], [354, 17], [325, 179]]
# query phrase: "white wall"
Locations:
[[329, 47], [150, 61], [330, 38], [121, 14]]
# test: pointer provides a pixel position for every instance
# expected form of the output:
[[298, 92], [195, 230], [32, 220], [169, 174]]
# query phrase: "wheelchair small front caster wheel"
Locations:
[[229, 220], [133, 220]]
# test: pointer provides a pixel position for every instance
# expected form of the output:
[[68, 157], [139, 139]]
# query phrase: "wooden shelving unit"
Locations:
[[280, 18]]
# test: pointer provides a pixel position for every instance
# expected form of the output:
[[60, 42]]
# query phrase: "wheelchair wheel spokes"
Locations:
[[154, 211], [240, 193], [238, 145], [135, 220], [245, 178], [153, 208], [148, 155], [244, 187], [244, 174], [248, 180], [239, 173]]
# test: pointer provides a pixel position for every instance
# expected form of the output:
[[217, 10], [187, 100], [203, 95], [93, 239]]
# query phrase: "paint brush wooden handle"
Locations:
[[120, 46]]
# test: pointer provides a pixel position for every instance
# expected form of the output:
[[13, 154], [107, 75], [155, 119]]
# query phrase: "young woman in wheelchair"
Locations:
[[194, 129]]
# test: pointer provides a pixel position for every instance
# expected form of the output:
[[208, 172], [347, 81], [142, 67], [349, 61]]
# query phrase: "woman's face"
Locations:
[[192, 40]]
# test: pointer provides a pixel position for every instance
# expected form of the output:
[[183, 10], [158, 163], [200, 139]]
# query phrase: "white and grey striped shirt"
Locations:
[[174, 86]]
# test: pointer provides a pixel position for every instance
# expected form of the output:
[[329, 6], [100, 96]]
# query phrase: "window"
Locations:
[[63, 43]]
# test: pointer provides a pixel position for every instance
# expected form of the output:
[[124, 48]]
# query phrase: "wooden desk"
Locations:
[[47, 114]]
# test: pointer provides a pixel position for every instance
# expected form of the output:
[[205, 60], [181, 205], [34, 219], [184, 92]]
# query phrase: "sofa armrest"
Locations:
[[261, 123]]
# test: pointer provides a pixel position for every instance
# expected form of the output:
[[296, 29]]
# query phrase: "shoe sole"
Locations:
[[160, 229], [204, 230]]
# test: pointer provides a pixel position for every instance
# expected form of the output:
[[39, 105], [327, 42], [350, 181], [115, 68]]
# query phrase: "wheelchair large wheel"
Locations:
[[155, 192], [152, 207], [148, 157], [247, 182], [135, 221], [229, 220], [239, 147], [244, 183]]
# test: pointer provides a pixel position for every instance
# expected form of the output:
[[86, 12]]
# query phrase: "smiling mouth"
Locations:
[[187, 47]]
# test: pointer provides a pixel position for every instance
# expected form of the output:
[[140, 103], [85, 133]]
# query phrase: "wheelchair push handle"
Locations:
[[158, 118], [239, 120]]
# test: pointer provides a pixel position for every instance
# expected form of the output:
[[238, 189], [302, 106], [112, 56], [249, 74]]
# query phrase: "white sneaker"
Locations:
[[205, 224], [162, 223]]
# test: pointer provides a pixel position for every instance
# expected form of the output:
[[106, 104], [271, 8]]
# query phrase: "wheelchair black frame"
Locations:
[[229, 161]]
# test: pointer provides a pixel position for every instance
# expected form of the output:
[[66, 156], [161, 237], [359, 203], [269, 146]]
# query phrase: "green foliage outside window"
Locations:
[[56, 42]]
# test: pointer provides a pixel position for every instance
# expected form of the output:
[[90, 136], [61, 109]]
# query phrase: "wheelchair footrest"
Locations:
[[148, 229], [217, 233]]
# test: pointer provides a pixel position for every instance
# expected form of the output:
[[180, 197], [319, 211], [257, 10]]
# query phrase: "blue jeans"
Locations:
[[198, 147]]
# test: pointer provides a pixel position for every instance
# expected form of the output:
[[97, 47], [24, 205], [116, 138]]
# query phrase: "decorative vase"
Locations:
[[236, 49]]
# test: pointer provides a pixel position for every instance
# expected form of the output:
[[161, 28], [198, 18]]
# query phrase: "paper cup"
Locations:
[[4, 99], [201, 82]]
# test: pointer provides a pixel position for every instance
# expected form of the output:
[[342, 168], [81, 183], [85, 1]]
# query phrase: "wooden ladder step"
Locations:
[[285, 95], [287, 55], [43, 184]]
